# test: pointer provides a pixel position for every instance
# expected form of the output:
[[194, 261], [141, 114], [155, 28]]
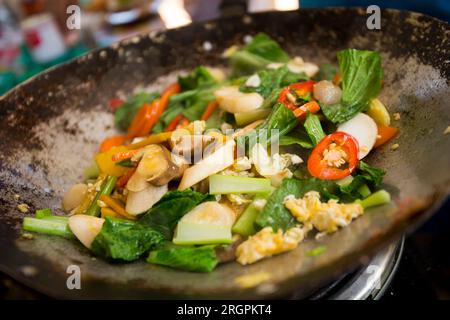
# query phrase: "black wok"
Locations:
[[52, 124]]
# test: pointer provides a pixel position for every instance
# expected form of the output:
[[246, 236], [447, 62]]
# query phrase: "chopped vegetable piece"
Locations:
[[376, 199], [314, 128], [378, 112], [56, 227], [334, 158], [117, 206], [210, 108], [364, 191], [245, 225], [223, 184], [123, 180], [107, 165], [110, 142], [115, 103], [41, 213], [164, 215], [106, 189], [208, 223], [92, 171], [311, 106], [174, 123], [126, 163], [385, 134], [153, 139], [361, 81], [125, 239], [316, 251], [124, 155], [126, 112], [293, 95], [244, 118], [197, 259]]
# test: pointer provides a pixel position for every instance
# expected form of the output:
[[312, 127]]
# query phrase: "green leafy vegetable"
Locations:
[[280, 121], [276, 215], [273, 79], [263, 46], [257, 54], [298, 137], [126, 112], [124, 239], [327, 72], [365, 175], [197, 259], [361, 81], [199, 77], [314, 128], [164, 215]]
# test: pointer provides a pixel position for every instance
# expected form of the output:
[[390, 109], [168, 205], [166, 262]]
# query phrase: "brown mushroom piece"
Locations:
[[158, 166]]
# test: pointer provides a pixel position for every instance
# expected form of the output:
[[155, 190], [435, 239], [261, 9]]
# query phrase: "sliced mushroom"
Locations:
[[190, 145], [159, 166], [217, 161], [139, 202]]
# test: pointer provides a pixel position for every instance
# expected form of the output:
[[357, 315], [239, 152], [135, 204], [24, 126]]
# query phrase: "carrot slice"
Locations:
[[139, 120], [384, 135], [124, 155], [210, 108], [311, 106], [174, 123], [117, 206], [110, 142], [123, 180]]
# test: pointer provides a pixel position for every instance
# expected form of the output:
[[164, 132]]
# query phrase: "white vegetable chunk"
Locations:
[[217, 161], [297, 65], [208, 223], [232, 100], [85, 228], [364, 130], [139, 202], [74, 196], [326, 92]]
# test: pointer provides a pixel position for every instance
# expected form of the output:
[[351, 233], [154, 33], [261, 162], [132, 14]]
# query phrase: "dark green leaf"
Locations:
[[124, 239], [197, 259], [199, 77], [126, 112], [327, 72], [361, 73], [276, 215], [364, 174], [164, 215], [314, 128], [263, 46], [257, 54], [280, 121]]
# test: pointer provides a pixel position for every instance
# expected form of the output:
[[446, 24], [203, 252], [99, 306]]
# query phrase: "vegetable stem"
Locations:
[[222, 184], [57, 227], [376, 199], [106, 189]]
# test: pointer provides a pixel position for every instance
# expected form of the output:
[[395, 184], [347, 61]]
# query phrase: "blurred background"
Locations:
[[34, 35]]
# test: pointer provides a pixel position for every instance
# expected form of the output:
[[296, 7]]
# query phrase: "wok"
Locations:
[[52, 124]]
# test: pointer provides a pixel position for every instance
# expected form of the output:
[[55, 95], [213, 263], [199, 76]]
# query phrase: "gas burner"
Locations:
[[368, 282]]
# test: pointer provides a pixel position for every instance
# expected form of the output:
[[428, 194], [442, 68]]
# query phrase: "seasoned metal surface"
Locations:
[[52, 124]]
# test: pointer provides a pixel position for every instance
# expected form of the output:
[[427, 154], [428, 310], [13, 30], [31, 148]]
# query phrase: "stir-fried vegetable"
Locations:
[[212, 167]]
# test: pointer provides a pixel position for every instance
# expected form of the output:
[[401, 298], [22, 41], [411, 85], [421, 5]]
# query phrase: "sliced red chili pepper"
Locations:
[[174, 123], [300, 89], [319, 167], [115, 103]]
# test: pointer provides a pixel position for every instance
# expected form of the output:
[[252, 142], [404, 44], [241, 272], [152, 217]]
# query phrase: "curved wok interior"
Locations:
[[52, 124]]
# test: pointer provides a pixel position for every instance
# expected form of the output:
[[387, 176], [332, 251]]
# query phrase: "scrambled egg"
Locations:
[[266, 243], [324, 216]]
